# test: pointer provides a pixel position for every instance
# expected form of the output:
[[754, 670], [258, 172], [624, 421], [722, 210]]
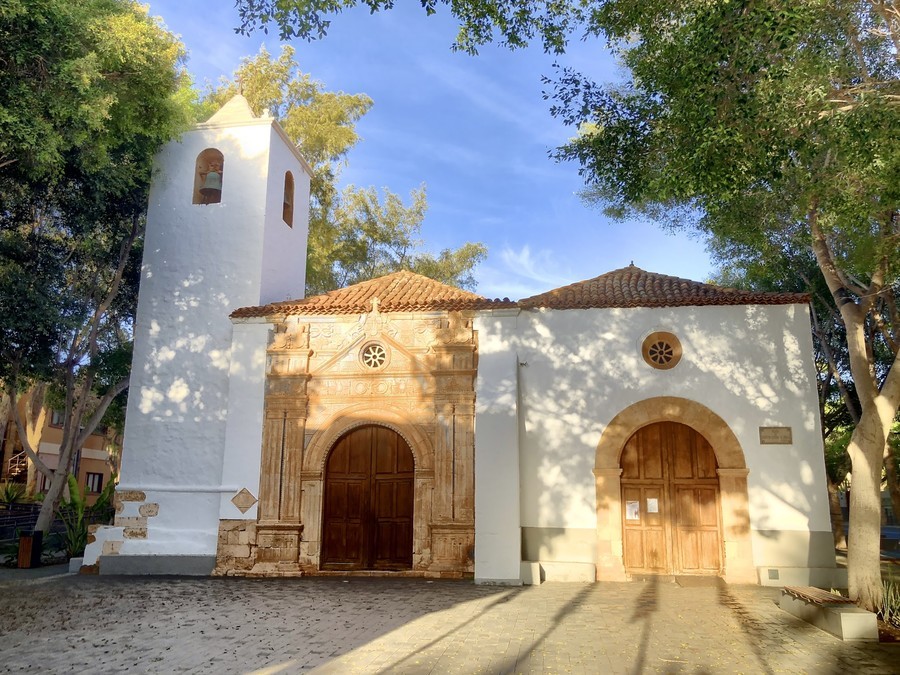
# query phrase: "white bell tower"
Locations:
[[226, 228]]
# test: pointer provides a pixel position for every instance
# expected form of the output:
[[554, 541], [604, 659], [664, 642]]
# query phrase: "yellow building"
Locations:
[[93, 466]]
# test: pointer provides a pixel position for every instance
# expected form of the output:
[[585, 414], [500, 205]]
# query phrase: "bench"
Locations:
[[832, 613]]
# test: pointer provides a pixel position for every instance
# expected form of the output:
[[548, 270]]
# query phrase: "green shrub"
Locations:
[[71, 513], [890, 604]]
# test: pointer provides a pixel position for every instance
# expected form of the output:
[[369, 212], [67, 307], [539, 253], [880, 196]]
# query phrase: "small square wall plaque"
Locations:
[[244, 500], [776, 436]]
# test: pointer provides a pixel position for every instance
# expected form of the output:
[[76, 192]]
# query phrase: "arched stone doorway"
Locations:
[[734, 512], [367, 518], [671, 494]]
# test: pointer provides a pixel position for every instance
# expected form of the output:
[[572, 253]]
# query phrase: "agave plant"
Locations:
[[890, 604], [71, 513], [11, 493]]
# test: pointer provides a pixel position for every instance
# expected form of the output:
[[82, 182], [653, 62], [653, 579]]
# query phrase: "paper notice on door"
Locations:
[[632, 510], [652, 505]]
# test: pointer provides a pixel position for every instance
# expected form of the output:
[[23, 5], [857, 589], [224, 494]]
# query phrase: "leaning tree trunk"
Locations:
[[54, 492], [866, 450], [837, 516]]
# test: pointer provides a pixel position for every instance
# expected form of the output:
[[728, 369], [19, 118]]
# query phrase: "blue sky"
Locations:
[[475, 130]]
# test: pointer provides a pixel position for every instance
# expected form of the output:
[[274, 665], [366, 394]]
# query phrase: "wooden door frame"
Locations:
[[668, 486], [369, 531], [734, 508], [312, 477]]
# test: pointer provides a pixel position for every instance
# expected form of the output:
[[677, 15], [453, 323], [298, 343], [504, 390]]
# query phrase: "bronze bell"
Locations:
[[212, 187]]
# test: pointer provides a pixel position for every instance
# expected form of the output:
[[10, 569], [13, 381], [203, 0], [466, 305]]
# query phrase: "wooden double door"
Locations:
[[670, 502], [368, 505]]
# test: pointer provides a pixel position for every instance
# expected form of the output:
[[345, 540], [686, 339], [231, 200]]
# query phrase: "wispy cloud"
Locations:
[[493, 96], [520, 273]]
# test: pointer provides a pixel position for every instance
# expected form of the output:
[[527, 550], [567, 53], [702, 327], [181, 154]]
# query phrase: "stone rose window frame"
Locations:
[[661, 350], [374, 356]]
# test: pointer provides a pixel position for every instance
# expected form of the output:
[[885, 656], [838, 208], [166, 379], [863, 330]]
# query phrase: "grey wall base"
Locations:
[[820, 577], [180, 565]]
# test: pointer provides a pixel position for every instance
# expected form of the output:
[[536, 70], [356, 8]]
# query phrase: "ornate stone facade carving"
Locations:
[[317, 389]]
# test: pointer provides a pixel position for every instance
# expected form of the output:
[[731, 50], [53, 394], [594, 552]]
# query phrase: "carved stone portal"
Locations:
[[413, 373]]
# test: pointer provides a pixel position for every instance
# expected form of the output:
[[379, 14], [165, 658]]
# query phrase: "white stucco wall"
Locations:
[[283, 268], [751, 365], [200, 263], [497, 532], [243, 430]]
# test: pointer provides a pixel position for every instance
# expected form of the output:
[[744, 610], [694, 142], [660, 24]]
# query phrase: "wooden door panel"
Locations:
[[634, 549], [655, 551], [708, 507], [706, 459], [681, 448], [651, 455], [368, 504], [360, 452], [696, 532], [669, 470], [710, 551], [646, 541], [630, 460], [689, 551], [687, 510]]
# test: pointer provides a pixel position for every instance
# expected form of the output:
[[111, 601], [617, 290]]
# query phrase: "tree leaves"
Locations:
[[354, 234]]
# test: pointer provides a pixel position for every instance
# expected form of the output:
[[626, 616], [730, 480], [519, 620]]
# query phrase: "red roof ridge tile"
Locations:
[[634, 287], [631, 286], [402, 291]]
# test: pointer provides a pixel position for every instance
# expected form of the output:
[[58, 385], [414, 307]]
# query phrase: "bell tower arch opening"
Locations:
[[208, 176]]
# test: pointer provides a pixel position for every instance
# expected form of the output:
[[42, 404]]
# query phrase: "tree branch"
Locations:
[[20, 430]]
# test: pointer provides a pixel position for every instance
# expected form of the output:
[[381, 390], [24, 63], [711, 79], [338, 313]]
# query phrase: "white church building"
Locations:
[[631, 424]]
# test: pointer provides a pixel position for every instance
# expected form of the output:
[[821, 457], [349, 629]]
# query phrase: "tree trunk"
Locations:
[[864, 546], [837, 517], [51, 499]]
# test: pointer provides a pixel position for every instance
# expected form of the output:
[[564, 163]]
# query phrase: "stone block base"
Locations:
[[531, 573], [578, 572], [847, 622]]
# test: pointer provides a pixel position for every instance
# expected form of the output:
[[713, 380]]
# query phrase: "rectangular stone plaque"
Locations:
[[776, 436]]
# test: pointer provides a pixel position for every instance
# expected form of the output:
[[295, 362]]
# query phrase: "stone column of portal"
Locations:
[[498, 532], [279, 529]]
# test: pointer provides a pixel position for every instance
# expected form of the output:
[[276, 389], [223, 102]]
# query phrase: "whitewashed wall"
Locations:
[[497, 533], [751, 365], [200, 263], [243, 431]]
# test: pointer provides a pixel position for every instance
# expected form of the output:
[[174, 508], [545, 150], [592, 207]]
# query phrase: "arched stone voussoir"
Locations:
[[713, 428], [360, 415]]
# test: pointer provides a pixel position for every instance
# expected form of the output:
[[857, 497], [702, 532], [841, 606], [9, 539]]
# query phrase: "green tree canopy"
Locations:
[[765, 124], [514, 23], [353, 234], [89, 91]]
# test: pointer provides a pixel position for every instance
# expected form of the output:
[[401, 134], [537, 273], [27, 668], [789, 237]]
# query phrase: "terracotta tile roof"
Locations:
[[633, 287], [397, 292]]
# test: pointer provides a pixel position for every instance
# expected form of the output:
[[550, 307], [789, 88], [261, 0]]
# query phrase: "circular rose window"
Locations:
[[373, 355], [661, 350]]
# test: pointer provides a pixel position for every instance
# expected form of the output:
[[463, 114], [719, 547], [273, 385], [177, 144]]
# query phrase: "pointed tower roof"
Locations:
[[633, 287], [236, 110], [398, 292], [236, 113]]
